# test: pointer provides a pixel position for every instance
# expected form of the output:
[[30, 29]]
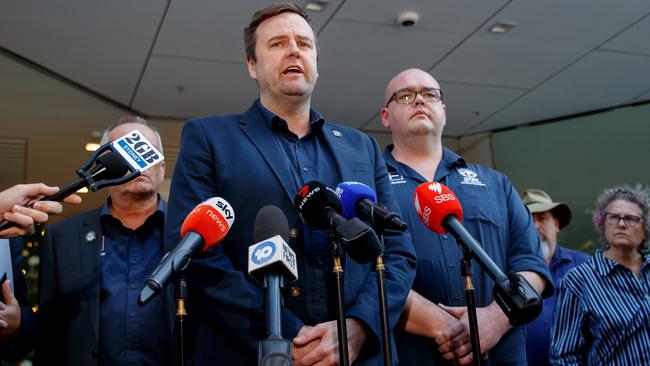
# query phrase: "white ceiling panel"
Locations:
[[466, 106], [355, 65], [102, 45], [600, 80], [635, 40], [548, 36], [451, 16], [213, 30], [207, 88]]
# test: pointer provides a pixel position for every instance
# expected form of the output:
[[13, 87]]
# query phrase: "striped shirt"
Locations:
[[603, 315]]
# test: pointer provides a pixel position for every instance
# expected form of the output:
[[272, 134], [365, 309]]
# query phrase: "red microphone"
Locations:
[[439, 209], [206, 225], [433, 203]]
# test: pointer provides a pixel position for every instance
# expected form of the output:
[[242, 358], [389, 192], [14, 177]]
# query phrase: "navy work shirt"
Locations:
[[310, 159], [495, 216], [538, 332], [130, 334]]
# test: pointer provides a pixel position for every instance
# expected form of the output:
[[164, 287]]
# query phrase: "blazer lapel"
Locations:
[[90, 240], [340, 149], [255, 128]]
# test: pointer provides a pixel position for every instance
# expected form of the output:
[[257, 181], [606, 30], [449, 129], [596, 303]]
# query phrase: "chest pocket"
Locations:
[[483, 204]]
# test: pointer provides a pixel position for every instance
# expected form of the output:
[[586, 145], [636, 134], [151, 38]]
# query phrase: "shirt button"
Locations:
[[451, 265], [456, 297], [133, 287], [444, 236], [320, 298], [134, 262], [294, 291], [305, 168], [319, 260], [132, 314]]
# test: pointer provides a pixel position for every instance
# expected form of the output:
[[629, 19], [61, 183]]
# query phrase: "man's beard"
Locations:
[[546, 248]]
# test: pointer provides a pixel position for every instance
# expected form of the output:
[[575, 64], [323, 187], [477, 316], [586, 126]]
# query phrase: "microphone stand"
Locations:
[[181, 314], [466, 271], [274, 350], [383, 304], [337, 253]]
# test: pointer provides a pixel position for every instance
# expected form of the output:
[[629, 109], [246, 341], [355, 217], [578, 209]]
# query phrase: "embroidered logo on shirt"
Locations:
[[396, 178], [470, 177]]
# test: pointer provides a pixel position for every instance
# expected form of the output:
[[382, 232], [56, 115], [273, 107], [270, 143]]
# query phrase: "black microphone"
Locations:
[[205, 226], [270, 262], [359, 199], [107, 166], [321, 208]]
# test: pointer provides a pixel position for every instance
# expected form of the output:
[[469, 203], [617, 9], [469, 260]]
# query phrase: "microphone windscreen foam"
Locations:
[[269, 222], [350, 193], [311, 201], [114, 164], [433, 202], [211, 219]]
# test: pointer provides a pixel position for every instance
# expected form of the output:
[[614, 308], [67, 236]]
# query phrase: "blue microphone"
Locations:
[[359, 200]]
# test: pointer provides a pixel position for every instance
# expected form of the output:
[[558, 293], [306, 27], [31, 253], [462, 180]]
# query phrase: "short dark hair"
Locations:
[[264, 14]]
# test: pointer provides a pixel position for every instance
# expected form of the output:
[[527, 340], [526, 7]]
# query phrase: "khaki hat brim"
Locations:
[[560, 210]]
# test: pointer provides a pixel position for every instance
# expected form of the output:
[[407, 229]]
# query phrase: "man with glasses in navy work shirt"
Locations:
[[434, 318]]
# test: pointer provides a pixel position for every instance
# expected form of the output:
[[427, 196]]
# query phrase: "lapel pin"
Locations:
[[90, 236], [337, 133]]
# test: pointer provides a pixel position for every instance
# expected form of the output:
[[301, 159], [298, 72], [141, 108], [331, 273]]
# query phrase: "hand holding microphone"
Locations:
[[439, 209], [130, 153], [206, 225]]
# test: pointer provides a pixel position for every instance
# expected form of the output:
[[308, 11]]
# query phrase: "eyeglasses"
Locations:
[[628, 220], [407, 96]]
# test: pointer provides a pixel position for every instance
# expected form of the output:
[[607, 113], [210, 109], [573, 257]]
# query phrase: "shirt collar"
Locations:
[[560, 255], [450, 160], [161, 208], [274, 121], [604, 266]]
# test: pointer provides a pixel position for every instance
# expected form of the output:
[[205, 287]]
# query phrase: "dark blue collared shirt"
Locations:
[[603, 315], [495, 216], [538, 332], [310, 159], [130, 334]]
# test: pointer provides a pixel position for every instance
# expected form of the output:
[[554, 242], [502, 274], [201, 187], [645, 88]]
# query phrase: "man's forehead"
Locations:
[[283, 24]]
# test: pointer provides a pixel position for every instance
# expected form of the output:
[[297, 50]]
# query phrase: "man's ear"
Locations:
[[383, 114], [250, 63]]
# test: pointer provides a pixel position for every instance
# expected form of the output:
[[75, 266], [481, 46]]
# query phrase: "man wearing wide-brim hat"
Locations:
[[549, 217]]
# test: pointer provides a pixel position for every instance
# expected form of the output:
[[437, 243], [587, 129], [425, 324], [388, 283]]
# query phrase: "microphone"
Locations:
[[439, 210], [271, 253], [321, 208], [270, 262], [131, 152], [206, 225], [360, 200]]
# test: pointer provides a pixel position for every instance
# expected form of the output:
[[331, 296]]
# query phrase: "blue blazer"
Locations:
[[68, 293], [238, 158]]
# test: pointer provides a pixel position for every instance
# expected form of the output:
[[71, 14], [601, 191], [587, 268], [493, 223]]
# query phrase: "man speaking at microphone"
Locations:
[[92, 269], [434, 316], [263, 157]]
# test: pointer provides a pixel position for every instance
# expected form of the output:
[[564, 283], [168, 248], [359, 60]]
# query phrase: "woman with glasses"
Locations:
[[603, 309]]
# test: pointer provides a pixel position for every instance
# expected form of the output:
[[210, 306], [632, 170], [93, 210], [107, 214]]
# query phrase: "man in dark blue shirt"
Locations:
[[549, 218], [263, 157], [435, 316], [92, 269]]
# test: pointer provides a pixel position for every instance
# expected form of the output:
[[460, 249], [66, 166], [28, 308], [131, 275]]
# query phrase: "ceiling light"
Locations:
[[316, 5], [501, 27], [92, 146]]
